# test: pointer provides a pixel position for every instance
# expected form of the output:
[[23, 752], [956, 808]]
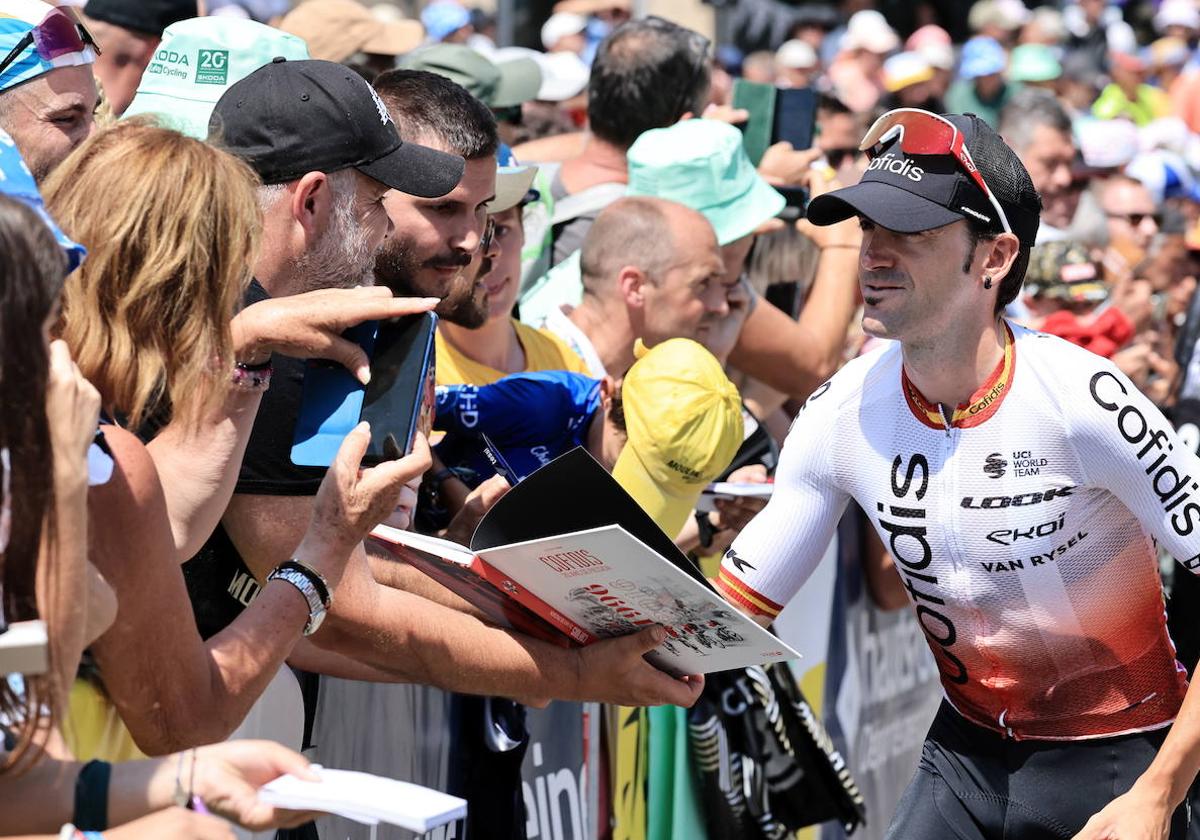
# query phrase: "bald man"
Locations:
[[652, 270]]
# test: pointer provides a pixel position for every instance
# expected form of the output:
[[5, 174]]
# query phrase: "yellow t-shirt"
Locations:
[[543, 351], [93, 729]]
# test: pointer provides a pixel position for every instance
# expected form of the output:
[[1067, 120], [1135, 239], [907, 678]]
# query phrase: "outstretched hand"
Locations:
[[614, 671], [352, 500], [310, 325], [229, 775]]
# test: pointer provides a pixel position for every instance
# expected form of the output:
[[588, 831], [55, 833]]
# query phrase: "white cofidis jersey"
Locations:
[[1023, 527]]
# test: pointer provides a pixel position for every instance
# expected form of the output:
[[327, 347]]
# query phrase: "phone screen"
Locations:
[[795, 117], [397, 403], [401, 391]]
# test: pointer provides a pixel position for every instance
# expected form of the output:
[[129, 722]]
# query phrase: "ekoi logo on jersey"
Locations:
[[908, 542], [1171, 488], [897, 166]]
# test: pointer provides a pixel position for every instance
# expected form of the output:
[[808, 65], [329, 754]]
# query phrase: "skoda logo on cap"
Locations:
[[384, 116]]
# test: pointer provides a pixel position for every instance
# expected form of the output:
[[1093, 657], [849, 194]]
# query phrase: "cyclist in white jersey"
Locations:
[[1020, 483]]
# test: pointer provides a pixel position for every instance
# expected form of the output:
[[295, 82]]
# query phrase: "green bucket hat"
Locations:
[[702, 164], [198, 60], [503, 84], [1033, 63]]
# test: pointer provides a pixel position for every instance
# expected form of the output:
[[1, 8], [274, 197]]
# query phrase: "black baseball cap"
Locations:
[[149, 17], [912, 193], [292, 117]]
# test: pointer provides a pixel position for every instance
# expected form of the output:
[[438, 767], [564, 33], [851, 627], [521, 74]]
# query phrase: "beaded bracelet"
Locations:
[[252, 377]]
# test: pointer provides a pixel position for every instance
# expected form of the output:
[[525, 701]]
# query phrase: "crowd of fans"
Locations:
[[197, 199]]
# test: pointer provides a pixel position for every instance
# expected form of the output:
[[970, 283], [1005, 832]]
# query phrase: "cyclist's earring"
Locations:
[[987, 282]]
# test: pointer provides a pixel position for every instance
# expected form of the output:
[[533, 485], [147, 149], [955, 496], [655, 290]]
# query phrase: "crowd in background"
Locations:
[[197, 198]]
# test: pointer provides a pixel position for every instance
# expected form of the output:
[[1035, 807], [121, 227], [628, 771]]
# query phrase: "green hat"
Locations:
[[198, 60], [495, 84], [1033, 63], [701, 164]]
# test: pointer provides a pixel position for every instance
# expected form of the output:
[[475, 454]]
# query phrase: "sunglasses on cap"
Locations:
[[923, 133], [57, 35]]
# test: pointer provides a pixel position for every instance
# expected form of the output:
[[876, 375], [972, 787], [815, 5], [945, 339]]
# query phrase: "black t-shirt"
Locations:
[[219, 583]]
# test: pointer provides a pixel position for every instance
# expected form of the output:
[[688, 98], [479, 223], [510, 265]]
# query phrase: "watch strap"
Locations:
[[314, 577], [304, 584]]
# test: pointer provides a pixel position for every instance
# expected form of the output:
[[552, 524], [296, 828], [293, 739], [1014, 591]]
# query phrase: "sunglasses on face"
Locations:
[[836, 157], [57, 35], [1136, 219], [923, 133]]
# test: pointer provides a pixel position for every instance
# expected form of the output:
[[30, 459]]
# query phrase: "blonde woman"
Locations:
[[48, 423], [172, 226]]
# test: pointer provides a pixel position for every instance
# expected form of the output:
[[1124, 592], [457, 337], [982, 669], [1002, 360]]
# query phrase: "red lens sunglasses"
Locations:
[[57, 35], [923, 133]]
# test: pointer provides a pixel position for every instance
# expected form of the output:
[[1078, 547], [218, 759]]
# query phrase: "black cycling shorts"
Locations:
[[973, 784]]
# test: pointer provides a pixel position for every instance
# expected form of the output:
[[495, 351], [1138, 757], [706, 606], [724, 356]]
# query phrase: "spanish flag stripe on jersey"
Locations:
[[738, 592], [981, 405]]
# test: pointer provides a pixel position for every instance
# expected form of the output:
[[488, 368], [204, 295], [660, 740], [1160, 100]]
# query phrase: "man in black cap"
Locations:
[[328, 152], [128, 32], [1019, 483]]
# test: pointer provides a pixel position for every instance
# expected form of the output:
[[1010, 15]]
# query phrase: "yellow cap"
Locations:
[[684, 419]]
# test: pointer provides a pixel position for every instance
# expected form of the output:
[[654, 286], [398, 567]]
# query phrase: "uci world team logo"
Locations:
[[994, 466]]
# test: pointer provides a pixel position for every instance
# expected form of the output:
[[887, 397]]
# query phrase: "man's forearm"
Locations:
[[420, 641], [399, 575], [831, 304], [318, 660], [795, 357], [1174, 769]]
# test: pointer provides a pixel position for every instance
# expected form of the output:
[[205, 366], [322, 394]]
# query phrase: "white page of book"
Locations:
[[365, 798], [435, 545]]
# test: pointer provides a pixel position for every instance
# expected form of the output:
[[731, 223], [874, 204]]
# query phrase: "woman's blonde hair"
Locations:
[[172, 226]]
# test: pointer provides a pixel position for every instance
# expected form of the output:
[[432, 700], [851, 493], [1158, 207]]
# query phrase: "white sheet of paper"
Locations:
[[732, 490], [365, 798]]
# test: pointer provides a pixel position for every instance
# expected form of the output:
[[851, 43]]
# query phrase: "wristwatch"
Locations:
[[706, 528], [311, 585]]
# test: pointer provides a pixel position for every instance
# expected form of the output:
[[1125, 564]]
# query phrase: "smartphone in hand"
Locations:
[[398, 400]]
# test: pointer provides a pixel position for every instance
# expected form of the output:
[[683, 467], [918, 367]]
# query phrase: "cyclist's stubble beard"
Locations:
[[464, 298]]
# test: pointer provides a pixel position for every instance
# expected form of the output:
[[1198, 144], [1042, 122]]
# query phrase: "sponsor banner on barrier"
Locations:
[[881, 689]]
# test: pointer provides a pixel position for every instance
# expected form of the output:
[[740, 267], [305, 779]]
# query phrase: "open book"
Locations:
[[568, 556], [365, 798]]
